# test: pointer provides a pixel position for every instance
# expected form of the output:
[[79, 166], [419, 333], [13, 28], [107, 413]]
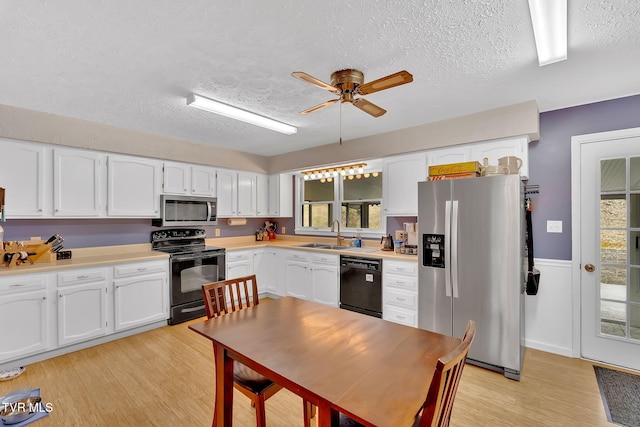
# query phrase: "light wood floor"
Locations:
[[165, 377]]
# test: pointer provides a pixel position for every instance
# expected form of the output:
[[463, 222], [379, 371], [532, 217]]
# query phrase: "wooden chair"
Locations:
[[436, 409], [231, 295]]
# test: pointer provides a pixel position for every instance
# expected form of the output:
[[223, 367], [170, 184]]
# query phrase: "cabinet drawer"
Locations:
[[401, 298], [238, 256], [81, 276], [399, 315], [297, 256], [399, 267], [128, 270], [22, 284], [402, 282], [325, 259]]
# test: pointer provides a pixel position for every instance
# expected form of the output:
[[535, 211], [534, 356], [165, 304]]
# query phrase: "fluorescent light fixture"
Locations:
[[549, 18], [239, 114]]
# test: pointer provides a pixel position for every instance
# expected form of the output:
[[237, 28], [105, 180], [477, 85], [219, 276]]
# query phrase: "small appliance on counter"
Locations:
[[410, 246], [387, 242]]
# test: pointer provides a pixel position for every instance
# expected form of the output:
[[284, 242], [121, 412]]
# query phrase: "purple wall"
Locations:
[[550, 165]]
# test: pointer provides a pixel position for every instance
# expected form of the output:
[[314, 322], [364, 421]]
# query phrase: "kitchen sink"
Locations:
[[336, 247], [315, 245]]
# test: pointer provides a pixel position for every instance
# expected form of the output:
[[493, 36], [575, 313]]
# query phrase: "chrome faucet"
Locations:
[[339, 238]]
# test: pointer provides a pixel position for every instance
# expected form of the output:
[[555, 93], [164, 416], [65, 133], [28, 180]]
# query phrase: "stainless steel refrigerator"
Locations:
[[472, 265]]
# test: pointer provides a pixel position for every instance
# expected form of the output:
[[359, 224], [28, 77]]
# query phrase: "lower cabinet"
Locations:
[[240, 263], [400, 292], [297, 274], [82, 297], [266, 265], [24, 314], [312, 276], [141, 294]]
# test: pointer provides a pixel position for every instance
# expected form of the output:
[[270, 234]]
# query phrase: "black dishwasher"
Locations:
[[361, 285]]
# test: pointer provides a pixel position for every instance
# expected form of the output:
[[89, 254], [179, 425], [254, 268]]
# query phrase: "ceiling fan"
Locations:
[[348, 83]]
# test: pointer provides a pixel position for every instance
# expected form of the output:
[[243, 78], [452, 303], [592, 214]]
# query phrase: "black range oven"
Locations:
[[192, 265]]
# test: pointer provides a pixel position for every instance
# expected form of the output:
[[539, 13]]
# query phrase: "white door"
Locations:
[[609, 250]]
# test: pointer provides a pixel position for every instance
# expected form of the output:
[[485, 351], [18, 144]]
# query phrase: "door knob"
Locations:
[[590, 268]]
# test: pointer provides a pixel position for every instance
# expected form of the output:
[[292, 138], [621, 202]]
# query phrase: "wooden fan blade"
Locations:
[[390, 81], [319, 106], [310, 79], [368, 107]]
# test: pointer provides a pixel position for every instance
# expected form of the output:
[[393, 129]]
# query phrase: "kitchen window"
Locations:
[[355, 199]]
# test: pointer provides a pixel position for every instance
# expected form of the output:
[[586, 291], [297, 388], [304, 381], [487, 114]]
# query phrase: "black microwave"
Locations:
[[186, 211]]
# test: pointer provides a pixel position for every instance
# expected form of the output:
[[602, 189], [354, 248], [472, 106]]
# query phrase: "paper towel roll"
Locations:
[[237, 221]]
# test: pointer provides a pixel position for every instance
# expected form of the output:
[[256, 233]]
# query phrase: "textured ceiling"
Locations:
[[132, 64]]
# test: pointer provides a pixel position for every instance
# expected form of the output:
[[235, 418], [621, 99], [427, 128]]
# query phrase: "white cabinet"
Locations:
[[493, 150], [400, 178], [24, 314], [23, 168], [280, 195], [246, 194], [297, 274], [141, 293], [183, 178], [82, 296], [266, 263], [239, 263], [445, 156], [324, 279], [77, 183], [133, 187], [262, 195], [227, 190], [400, 292]]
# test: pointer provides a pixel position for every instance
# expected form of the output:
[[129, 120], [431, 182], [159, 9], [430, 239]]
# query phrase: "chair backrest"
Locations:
[[442, 391], [230, 295]]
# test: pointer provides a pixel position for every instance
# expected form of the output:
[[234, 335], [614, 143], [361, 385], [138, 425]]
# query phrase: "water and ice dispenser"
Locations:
[[433, 250]]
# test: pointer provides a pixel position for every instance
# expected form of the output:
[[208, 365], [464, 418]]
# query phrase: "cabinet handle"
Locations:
[[142, 268], [82, 277], [400, 317], [400, 299], [17, 285], [44, 297]]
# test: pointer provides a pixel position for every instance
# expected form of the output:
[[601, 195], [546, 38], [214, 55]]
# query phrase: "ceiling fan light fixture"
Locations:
[[236, 113], [549, 19]]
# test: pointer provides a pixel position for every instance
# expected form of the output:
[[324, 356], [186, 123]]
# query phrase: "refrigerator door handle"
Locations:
[[454, 248], [447, 248]]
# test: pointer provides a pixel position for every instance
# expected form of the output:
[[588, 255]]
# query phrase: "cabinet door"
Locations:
[[400, 183], [297, 279], [141, 300], [281, 195], [265, 266], [262, 195], [24, 319], [22, 174], [227, 186], [445, 156], [82, 312], [203, 181], [324, 284], [76, 183], [133, 187], [175, 178], [246, 194], [518, 147]]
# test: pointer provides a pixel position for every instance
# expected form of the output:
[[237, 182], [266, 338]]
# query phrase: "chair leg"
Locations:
[[309, 411], [260, 411]]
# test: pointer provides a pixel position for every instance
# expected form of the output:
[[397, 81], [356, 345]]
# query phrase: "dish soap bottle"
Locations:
[[358, 240]]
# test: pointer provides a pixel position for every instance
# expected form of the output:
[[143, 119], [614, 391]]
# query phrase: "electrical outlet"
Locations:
[[399, 234], [283, 230], [217, 232]]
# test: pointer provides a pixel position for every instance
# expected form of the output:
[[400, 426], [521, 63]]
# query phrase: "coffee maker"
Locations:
[[411, 239]]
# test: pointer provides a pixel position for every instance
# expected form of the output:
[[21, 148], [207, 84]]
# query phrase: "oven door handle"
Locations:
[[190, 257]]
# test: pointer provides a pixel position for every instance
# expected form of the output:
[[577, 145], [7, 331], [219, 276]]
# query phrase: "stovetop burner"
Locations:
[[181, 241]]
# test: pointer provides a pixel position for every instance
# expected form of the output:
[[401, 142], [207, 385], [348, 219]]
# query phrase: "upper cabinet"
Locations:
[[23, 167], [262, 195], [227, 190], [133, 187], [280, 195], [182, 178], [400, 177], [77, 176], [246, 194]]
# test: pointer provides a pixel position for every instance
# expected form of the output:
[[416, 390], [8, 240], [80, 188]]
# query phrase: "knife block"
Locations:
[[42, 251]]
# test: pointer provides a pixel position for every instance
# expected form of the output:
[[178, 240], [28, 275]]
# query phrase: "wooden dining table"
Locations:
[[376, 372]]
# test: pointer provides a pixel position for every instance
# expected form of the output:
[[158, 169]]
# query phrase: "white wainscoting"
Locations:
[[549, 314]]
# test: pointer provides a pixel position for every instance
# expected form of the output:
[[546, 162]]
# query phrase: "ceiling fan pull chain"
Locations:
[[340, 123]]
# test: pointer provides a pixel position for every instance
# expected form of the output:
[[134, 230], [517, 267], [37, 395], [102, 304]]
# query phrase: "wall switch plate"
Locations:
[[284, 230], [554, 226], [217, 232]]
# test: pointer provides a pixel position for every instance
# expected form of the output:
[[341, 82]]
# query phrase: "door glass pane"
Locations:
[[634, 323], [613, 318], [613, 282], [634, 284], [634, 210], [613, 175], [634, 171], [613, 211], [613, 247], [634, 250]]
